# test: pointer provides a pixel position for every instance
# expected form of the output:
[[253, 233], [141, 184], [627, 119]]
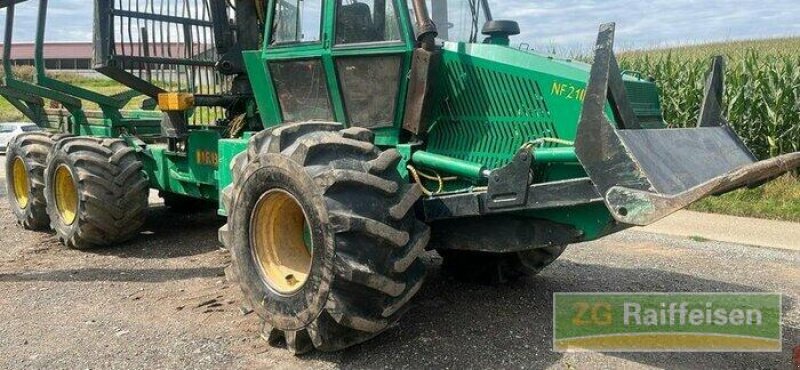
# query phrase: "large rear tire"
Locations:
[[26, 159], [96, 192], [323, 236]]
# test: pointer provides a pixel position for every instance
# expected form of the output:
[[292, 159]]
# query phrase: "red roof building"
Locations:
[[57, 55], [72, 56]]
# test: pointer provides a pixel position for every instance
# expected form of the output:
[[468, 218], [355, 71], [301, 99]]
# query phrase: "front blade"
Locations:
[[638, 207], [675, 160], [647, 174]]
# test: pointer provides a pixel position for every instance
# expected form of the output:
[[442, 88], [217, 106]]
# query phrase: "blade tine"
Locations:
[[711, 110], [597, 89]]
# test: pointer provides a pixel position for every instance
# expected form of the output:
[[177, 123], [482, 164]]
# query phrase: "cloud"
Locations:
[[642, 24], [68, 20], [564, 23]]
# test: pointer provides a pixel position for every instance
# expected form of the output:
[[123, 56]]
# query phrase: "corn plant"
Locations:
[[762, 96]]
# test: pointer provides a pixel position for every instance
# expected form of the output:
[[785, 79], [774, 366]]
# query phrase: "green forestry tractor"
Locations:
[[339, 137]]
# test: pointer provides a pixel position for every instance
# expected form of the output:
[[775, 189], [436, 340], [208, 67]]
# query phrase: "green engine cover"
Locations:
[[491, 99]]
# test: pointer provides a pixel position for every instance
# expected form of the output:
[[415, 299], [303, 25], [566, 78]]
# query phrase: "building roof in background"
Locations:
[[85, 50], [53, 50]]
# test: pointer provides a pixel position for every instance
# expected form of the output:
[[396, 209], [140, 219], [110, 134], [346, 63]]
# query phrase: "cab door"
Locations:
[[371, 49], [295, 47], [339, 60]]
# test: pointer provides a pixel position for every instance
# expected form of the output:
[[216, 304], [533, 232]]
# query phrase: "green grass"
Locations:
[[699, 239], [777, 200], [8, 113], [100, 85]]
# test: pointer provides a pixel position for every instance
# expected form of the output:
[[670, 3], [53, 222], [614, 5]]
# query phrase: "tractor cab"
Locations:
[[348, 61], [337, 61]]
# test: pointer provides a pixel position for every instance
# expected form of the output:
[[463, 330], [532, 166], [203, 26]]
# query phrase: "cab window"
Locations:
[[359, 21], [297, 21], [301, 89], [370, 88]]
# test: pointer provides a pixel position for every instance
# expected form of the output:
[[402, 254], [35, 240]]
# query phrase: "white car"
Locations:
[[10, 129]]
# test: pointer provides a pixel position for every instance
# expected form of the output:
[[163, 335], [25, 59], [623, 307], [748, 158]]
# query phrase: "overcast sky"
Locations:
[[564, 23]]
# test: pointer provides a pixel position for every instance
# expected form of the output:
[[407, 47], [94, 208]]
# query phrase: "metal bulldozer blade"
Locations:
[[647, 174]]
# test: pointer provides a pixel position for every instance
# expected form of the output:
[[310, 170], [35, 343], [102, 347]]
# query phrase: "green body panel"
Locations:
[[405, 151], [387, 136], [228, 149], [593, 220], [192, 174], [492, 99], [263, 89]]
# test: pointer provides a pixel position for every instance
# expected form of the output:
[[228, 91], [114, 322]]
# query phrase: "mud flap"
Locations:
[[647, 174]]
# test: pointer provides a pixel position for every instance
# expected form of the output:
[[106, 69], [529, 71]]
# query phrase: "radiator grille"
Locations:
[[484, 116], [644, 100]]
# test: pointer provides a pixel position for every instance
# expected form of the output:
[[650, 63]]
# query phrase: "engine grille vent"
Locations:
[[484, 116]]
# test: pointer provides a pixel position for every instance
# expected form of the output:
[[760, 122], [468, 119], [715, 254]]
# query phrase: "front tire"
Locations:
[[355, 213], [96, 192]]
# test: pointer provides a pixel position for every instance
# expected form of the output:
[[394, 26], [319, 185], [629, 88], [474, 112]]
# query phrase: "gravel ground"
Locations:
[[161, 301]]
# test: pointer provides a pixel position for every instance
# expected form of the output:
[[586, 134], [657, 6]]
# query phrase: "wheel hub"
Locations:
[[20, 183], [66, 195], [280, 241]]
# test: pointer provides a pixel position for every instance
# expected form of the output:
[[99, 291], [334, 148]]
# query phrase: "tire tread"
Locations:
[[112, 189], [377, 269]]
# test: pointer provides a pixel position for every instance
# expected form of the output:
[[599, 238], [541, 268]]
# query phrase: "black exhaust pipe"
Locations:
[[426, 29]]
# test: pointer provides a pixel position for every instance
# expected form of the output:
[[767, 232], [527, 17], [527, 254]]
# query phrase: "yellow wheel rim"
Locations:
[[66, 195], [280, 241], [20, 182]]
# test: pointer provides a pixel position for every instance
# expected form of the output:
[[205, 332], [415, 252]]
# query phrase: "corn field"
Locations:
[[762, 95]]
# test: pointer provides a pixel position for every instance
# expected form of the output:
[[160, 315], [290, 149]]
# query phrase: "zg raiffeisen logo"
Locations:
[[667, 322]]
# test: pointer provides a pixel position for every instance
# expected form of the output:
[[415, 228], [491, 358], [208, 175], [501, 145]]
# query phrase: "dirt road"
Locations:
[[161, 301]]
